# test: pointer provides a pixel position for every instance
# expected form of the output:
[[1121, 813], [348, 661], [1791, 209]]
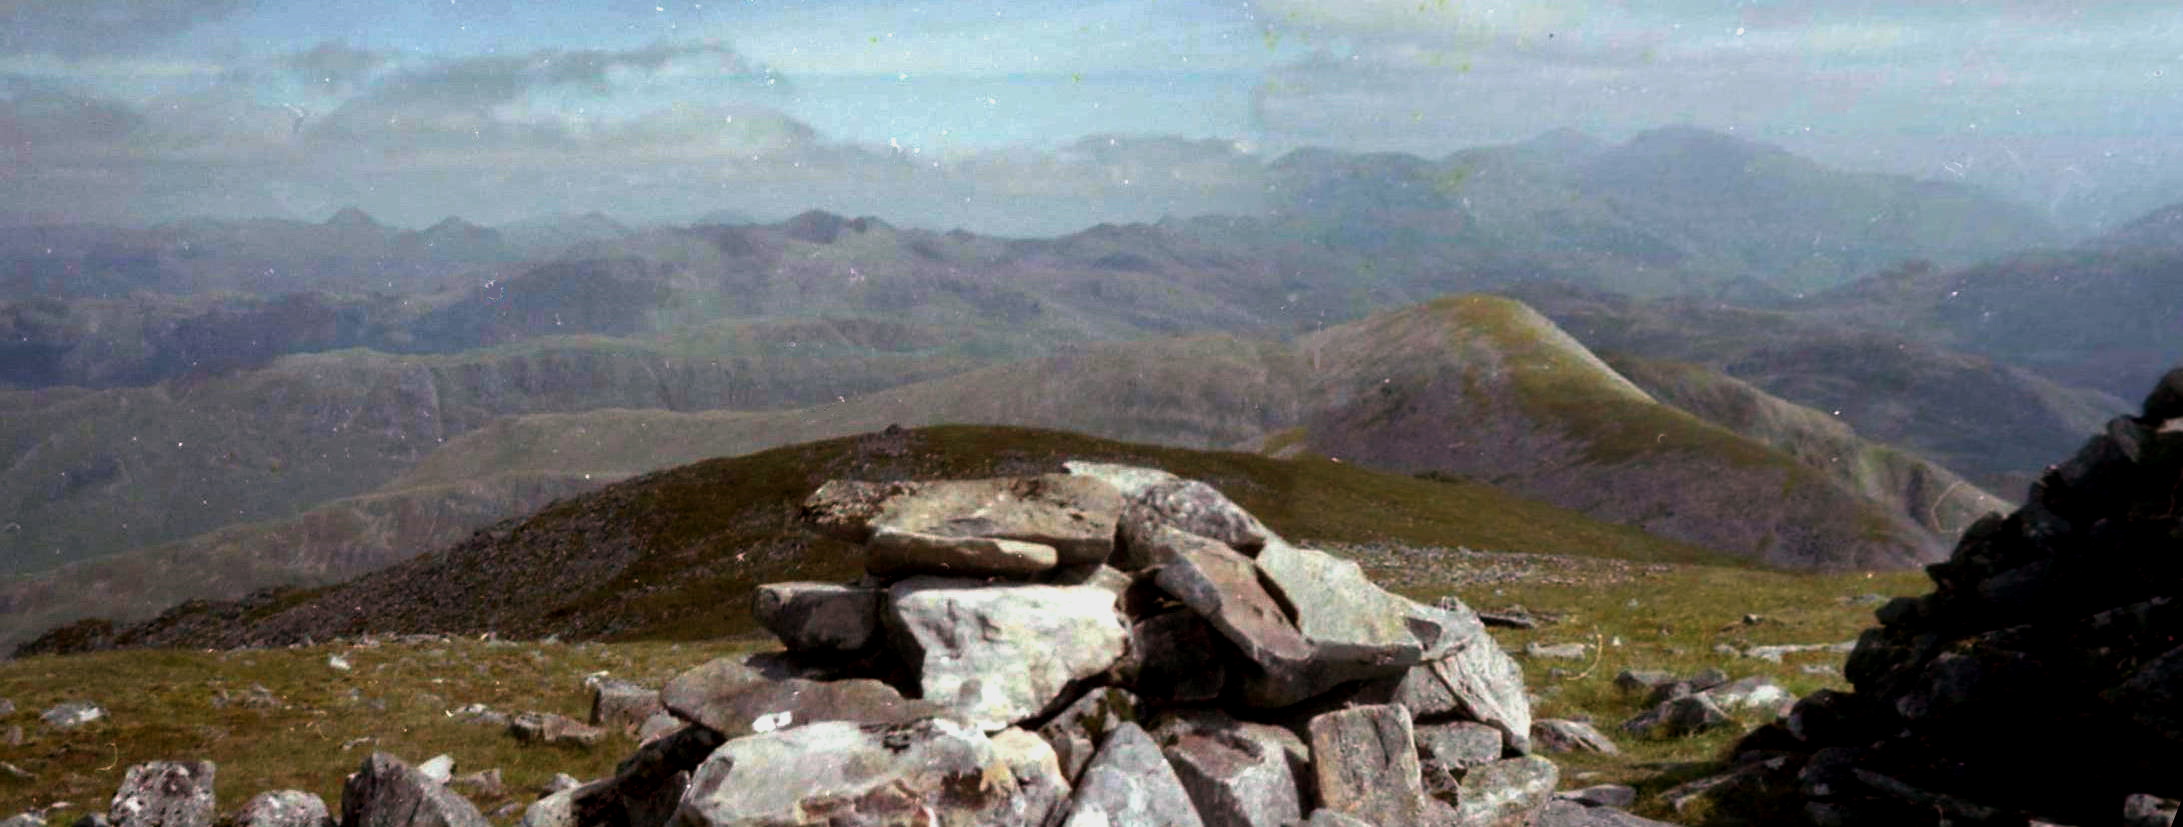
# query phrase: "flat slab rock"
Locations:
[[734, 700], [1074, 515], [852, 773], [1508, 793], [895, 552], [990, 652], [1357, 630]]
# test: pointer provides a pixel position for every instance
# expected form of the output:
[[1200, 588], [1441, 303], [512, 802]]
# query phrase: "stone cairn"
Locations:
[[1110, 646], [2041, 681]]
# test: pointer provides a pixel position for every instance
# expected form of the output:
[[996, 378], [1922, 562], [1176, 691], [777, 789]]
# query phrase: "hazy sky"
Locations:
[[1025, 115]]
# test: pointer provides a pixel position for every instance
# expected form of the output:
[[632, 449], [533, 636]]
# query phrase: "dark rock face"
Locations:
[[2042, 678], [385, 792]]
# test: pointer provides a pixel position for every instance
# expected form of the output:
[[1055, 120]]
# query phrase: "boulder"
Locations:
[[852, 773], [1687, 715], [1078, 729], [555, 809], [1751, 693], [1193, 507], [1074, 515], [818, 616], [1364, 761], [165, 794], [1128, 480], [1222, 586], [1445, 752], [623, 705], [1236, 773], [485, 784], [1573, 814], [1357, 631], [72, 714], [439, 768], [990, 652], [384, 792], [1488, 687], [646, 787], [1041, 789], [284, 808], [1130, 782], [1508, 793], [553, 730], [1554, 735], [1643, 681], [715, 679], [897, 553]]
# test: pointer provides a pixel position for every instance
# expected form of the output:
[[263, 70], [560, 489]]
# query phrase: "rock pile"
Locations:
[[2041, 679], [1114, 645]]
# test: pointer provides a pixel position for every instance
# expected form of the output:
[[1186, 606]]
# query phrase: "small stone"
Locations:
[[660, 724], [1601, 795], [384, 790], [338, 663], [1751, 693], [484, 784], [1554, 735], [1687, 715], [439, 768], [549, 729], [1559, 651], [72, 714]]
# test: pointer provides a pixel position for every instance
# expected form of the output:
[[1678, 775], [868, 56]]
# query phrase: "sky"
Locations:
[[1026, 116]]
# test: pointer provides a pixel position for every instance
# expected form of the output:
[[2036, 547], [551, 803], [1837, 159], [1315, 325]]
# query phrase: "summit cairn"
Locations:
[[1106, 646], [2040, 681]]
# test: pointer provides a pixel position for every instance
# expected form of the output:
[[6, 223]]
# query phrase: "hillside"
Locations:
[[651, 557], [1996, 423], [96, 473], [1203, 393]]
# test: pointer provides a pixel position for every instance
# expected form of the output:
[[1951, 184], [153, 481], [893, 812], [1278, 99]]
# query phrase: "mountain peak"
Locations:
[[351, 216]]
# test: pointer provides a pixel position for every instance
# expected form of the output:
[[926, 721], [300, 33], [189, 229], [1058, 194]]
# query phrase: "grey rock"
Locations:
[[72, 714], [1445, 752], [2142, 810], [777, 705], [439, 768], [854, 773], [648, 786], [989, 651], [1099, 575], [1558, 651], [818, 616], [1488, 687], [1365, 764], [1352, 622], [1554, 735], [1751, 693], [561, 781], [1078, 729], [557, 809], [1222, 586], [385, 792], [284, 808], [844, 509], [93, 820], [1074, 515], [660, 724], [1041, 789], [1643, 681], [1708, 678], [551, 729], [621, 705], [1128, 480], [1601, 795], [1573, 814], [1237, 773], [1192, 507], [719, 678], [1687, 715], [1329, 818], [895, 553], [165, 794], [485, 784], [1130, 782], [1508, 793], [24, 819]]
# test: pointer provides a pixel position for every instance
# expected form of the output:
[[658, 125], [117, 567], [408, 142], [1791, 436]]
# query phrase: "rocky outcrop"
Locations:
[[2037, 681]]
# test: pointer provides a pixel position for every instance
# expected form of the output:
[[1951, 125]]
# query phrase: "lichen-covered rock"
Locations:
[[385, 792], [1357, 630], [1447, 751], [852, 773], [1508, 793], [989, 651], [1238, 774], [818, 616], [165, 794], [1130, 782], [1074, 515], [1192, 507], [1041, 789], [284, 808], [844, 509], [893, 552], [1364, 761]]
